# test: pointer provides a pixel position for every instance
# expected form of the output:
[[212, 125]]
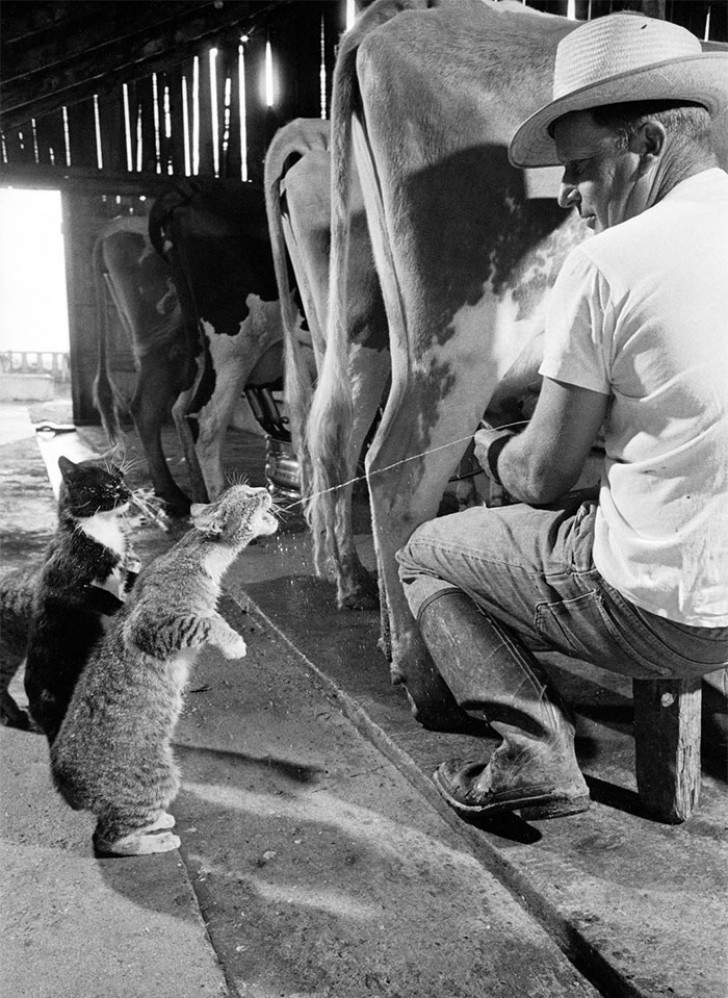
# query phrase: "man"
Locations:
[[635, 344]]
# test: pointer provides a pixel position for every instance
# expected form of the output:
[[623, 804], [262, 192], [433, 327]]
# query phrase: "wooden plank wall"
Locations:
[[157, 108]]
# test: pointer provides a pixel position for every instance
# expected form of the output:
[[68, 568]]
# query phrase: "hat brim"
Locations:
[[701, 79]]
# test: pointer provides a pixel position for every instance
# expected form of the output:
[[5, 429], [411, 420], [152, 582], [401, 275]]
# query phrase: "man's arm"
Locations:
[[542, 463]]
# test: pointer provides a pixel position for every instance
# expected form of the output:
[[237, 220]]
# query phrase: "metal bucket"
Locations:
[[282, 470]]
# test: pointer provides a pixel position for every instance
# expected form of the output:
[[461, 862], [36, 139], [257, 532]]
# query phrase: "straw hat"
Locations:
[[622, 57]]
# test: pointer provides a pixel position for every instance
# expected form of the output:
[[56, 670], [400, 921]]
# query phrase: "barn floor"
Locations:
[[317, 858]]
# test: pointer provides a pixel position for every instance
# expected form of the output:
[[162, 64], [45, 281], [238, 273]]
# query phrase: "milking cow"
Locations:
[[163, 345], [298, 201], [430, 94], [214, 235]]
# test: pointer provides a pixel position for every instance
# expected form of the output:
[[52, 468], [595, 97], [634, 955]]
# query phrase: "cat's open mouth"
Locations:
[[267, 519]]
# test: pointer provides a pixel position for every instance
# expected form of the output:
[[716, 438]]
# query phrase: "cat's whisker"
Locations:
[[238, 478], [280, 512], [151, 507]]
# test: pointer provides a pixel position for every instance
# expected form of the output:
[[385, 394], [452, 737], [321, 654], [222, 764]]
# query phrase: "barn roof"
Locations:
[[59, 53], [95, 89], [98, 90]]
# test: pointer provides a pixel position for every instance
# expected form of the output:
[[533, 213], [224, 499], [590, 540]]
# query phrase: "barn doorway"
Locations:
[[34, 331]]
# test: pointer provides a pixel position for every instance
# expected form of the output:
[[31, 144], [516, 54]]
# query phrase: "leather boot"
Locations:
[[534, 769]]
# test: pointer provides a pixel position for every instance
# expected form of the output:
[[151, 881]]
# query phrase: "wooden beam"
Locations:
[[82, 180], [25, 23], [125, 60], [90, 27]]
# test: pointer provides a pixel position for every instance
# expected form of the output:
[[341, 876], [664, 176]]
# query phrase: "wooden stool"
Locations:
[[667, 746]]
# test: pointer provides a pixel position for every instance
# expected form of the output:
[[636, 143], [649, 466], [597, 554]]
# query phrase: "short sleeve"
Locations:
[[577, 344]]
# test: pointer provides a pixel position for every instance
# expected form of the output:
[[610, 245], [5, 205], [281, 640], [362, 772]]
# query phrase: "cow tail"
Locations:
[[298, 384], [106, 397], [331, 417]]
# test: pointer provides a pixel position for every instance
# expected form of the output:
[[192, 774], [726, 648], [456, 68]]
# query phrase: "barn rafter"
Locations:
[[56, 54], [111, 90]]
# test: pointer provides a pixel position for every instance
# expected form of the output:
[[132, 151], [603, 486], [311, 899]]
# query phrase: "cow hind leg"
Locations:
[[180, 414], [369, 370], [150, 407]]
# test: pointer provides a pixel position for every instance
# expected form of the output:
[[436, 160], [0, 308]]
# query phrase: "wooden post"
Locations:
[[667, 746]]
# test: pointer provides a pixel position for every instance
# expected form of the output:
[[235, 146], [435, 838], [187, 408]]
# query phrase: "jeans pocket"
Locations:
[[582, 628], [582, 537]]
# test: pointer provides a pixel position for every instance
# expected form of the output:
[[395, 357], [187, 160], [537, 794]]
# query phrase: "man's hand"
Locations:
[[488, 443], [545, 460]]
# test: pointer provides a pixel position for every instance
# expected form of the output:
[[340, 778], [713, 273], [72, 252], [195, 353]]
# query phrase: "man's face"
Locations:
[[600, 178]]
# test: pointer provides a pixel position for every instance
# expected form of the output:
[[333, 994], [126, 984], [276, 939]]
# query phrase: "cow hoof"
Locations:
[[360, 601], [361, 593]]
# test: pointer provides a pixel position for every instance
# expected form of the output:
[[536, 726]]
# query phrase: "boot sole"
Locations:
[[556, 808], [534, 807]]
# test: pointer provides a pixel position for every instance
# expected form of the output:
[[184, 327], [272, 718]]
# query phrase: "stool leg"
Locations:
[[667, 746]]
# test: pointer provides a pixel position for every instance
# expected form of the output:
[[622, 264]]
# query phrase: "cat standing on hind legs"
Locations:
[[113, 754]]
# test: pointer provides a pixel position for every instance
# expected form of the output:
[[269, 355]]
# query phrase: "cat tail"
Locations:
[[106, 396], [17, 590]]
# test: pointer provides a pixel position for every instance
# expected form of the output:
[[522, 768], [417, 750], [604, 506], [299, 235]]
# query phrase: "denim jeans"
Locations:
[[532, 569]]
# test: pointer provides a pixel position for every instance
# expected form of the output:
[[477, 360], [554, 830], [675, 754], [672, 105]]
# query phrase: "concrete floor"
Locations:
[[312, 742]]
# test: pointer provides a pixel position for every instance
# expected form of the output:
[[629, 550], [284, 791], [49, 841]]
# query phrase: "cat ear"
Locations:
[[208, 519], [67, 468]]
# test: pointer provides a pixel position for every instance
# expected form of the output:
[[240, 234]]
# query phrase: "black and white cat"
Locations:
[[55, 615]]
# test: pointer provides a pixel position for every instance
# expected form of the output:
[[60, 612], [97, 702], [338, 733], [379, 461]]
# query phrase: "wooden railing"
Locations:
[[50, 362]]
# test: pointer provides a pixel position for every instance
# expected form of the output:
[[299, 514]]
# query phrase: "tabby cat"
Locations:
[[113, 753], [57, 612]]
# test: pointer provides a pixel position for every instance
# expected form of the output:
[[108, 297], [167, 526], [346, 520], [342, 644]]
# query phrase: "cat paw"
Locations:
[[165, 820], [235, 648], [142, 843]]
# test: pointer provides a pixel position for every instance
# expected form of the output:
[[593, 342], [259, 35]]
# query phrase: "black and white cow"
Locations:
[[214, 235]]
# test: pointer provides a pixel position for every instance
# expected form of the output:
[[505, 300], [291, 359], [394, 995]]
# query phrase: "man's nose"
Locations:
[[568, 195]]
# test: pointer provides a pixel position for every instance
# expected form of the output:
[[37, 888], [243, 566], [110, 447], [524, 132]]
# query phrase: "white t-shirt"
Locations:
[[640, 312]]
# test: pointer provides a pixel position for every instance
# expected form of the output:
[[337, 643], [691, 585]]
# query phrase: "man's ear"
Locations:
[[648, 141]]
